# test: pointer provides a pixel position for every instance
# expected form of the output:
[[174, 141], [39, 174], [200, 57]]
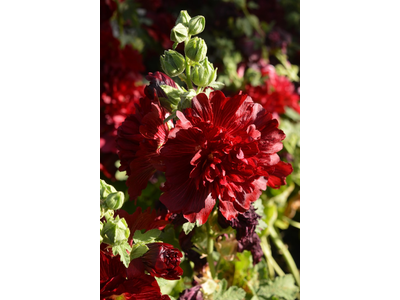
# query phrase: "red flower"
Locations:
[[162, 260], [277, 93], [116, 280], [221, 148], [139, 139]]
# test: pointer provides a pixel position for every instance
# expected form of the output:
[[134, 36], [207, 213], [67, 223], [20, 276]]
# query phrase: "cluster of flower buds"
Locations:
[[192, 68]]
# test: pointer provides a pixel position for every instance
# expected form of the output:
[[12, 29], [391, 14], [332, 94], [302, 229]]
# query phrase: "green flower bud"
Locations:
[[172, 63], [183, 18], [196, 25], [179, 33], [115, 200], [196, 49], [202, 75], [115, 232], [105, 189]]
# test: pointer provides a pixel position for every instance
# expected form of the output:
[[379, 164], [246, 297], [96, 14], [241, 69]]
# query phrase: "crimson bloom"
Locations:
[[139, 139], [116, 280], [276, 94], [223, 148], [162, 260]]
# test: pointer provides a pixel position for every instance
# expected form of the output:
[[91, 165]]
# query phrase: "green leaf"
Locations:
[[283, 287], [233, 293], [121, 249], [166, 286], [138, 250], [147, 237], [188, 227]]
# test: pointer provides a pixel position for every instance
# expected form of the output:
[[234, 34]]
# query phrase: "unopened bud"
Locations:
[[115, 200], [196, 49], [183, 18], [203, 74], [172, 63], [179, 33], [197, 25]]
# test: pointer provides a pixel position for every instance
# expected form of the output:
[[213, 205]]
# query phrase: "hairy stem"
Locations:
[[210, 249]]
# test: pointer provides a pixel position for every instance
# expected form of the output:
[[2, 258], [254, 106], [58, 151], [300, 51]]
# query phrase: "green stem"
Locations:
[[210, 249], [285, 252], [271, 263], [188, 81], [291, 222]]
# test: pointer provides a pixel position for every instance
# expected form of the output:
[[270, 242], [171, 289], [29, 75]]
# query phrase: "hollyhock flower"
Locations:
[[193, 293], [277, 93], [139, 139], [222, 148], [116, 280], [120, 89], [162, 260]]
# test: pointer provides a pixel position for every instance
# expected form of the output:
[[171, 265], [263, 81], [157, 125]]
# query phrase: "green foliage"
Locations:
[[231, 293], [138, 250], [282, 287], [123, 250], [147, 237]]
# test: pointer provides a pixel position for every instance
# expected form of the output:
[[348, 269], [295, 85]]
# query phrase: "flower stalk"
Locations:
[[210, 249]]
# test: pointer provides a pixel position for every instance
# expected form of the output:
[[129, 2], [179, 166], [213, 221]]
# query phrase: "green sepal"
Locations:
[[105, 189], [147, 237], [183, 18], [216, 85], [123, 249], [197, 25], [138, 250], [196, 49], [179, 33], [115, 200]]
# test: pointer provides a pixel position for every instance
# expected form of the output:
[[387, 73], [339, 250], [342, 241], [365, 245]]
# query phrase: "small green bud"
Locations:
[[179, 33], [105, 189], [204, 73], [196, 49], [197, 25], [115, 200], [173, 63], [183, 18]]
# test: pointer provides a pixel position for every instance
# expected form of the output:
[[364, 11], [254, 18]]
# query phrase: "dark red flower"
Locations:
[[245, 225], [139, 139], [116, 280], [223, 148], [162, 260]]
